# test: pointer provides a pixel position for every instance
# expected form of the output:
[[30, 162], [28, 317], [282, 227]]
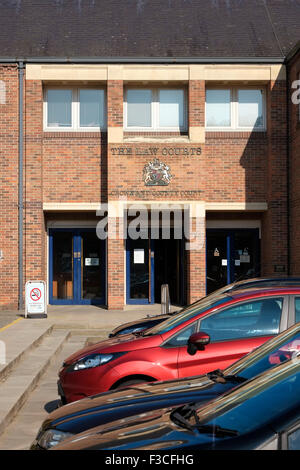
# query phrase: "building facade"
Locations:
[[191, 165], [294, 156]]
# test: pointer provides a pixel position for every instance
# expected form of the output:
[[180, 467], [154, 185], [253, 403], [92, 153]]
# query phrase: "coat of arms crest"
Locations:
[[157, 173]]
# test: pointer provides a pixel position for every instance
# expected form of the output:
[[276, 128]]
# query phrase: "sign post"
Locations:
[[35, 299]]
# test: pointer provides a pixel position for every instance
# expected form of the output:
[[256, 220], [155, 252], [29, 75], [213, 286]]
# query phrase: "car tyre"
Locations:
[[129, 383]]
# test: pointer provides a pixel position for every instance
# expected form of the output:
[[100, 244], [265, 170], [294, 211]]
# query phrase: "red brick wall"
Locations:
[[294, 172], [34, 263], [82, 167], [275, 221], [9, 186]]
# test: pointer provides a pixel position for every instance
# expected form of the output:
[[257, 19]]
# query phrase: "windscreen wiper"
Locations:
[[182, 415], [181, 421], [218, 376], [217, 431]]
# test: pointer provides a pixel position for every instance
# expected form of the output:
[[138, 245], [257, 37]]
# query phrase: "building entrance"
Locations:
[[77, 267], [151, 263], [232, 255]]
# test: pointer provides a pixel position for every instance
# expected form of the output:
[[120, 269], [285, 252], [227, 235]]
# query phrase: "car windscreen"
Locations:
[[257, 402], [275, 351], [189, 312]]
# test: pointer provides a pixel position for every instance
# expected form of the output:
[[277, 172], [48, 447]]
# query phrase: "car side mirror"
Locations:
[[197, 342]]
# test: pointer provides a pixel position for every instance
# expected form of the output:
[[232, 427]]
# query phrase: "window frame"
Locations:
[[75, 110], [286, 434], [282, 324], [166, 344], [155, 110], [234, 109]]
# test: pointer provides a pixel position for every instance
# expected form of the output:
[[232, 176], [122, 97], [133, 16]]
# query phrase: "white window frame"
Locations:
[[75, 110], [234, 110], [155, 111]]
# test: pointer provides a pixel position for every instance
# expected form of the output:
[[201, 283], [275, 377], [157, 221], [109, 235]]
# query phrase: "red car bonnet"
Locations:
[[118, 344]]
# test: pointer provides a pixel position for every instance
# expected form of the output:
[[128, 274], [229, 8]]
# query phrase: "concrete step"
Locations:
[[22, 431], [19, 339], [25, 375]]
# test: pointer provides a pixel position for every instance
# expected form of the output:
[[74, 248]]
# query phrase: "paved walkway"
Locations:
[[87, 316], [8, 316], [31, 353]]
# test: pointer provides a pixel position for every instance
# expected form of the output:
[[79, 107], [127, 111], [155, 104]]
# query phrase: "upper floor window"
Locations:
[[74, 109], [235, 109], [157, 109]]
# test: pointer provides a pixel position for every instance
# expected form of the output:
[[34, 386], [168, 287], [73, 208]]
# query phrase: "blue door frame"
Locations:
[[77, 247], [230, 233], [129, 300]]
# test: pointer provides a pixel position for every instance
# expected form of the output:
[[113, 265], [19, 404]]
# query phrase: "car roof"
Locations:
[[263, 280], [263, 291]]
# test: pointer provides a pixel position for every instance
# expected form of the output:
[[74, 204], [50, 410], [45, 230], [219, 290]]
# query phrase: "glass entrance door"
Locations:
[[232, 255], [140, 272], [151, 263], [77, 267], [62, 278]]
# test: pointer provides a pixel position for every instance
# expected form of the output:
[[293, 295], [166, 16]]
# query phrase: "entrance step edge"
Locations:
[[26, 375], [18, 345]]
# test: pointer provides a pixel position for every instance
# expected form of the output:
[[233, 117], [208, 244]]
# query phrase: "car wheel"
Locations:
[[129, 383]]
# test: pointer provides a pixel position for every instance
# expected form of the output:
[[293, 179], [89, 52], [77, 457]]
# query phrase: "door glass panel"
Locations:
[[297, 310], [257, 318], [62, 266], [216, 261], [294, 440], [246, 259], [92, 263], [139, 269]]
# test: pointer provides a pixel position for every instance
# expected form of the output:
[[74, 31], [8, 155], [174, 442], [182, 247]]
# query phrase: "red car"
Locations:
[[236, 323]]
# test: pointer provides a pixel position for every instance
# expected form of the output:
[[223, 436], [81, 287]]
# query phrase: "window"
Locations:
[[297, 310], [235, 109], [256, 318], [181, 338], [74, 109], [158, 109], [294, 440]]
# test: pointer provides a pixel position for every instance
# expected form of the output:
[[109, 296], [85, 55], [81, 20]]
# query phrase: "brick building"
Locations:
[[184, 109], [294, 156]]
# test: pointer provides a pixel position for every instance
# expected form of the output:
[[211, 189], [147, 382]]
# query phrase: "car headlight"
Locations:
[[93, 360], [52, 437]]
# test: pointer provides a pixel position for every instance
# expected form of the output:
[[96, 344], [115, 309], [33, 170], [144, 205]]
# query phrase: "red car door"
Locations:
[[215, 356], [234, 332]]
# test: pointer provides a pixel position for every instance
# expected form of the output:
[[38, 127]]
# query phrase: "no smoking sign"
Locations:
[[35, 299], [35, 294]]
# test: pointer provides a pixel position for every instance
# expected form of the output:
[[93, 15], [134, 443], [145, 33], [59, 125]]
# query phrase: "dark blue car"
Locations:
[[262, 413], [121, 404]]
